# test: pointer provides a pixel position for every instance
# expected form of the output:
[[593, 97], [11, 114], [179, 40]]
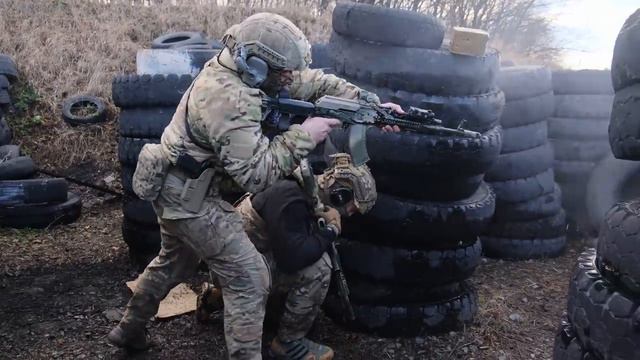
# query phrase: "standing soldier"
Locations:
[[215, 136]]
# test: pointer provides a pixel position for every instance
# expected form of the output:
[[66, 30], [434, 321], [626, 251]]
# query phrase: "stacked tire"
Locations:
[[617, 177], [147, 104], [529, 221], [578, 132], [603, 307], [26, 202], [624, 127], [408, 259]]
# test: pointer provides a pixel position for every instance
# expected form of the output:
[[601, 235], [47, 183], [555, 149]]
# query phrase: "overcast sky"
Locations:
[[588, 29]]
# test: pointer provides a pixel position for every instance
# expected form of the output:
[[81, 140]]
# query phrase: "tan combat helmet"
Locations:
[[273, 38], [358, 178]]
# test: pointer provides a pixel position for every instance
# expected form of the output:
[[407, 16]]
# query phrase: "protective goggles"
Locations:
[[340, 196]]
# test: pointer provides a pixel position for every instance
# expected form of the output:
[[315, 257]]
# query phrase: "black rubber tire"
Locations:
[[208, 44], [133, 91], [143, 242], [580, 150], [523, 82], [428, 154], [364, 291], [523, 249], [145, 122], [408, 319], [15, 192], [5, 99], [393, 27], [611, 181], [18, 168], [423, 225], [176, 39], [578, 129], [142, 238], [129, 149], [5, 131], [527, 111], [126, 178], [540, 207], [625, 66], [572, 172], [407, 184], [567, 346], [406, 266], [480, 112], [542, 228], [582, 82], [624, 128], [605, 319], [523, 138], [320, 56], [521, 164], [139, 211], [40, 216], [435, 72], [525, 189], [4, 83], [583, 106], [8, 68], [99, 116], [8, 152], [618, 255]]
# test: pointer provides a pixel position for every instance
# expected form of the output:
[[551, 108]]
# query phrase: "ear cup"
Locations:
[[257, 70], [252, 70]]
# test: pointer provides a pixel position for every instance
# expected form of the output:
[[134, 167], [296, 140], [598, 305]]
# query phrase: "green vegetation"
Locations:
[[24, 119]]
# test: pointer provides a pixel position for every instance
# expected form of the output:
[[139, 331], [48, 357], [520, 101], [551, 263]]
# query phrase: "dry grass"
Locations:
[[70, 47]]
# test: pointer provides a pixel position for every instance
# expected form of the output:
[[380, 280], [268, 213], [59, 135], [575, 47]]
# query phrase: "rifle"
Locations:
[[357, 116], [311, 187]]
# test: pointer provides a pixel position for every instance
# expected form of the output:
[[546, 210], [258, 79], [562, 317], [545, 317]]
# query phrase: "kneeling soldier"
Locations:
[[283, 225]]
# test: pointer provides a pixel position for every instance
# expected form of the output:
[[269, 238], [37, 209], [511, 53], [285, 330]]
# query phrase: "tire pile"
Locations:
[[407, 260], [147, 103], [27, 202], [578, 132], [603, 307], [529, 221]]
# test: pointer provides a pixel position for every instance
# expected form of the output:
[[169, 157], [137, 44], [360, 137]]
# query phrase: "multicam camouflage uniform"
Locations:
[[225, 114]]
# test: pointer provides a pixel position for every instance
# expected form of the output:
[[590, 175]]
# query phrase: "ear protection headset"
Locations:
[[253, 70]]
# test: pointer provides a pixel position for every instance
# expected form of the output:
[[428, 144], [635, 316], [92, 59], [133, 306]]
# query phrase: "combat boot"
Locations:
[[302, 349], [208, 302], [130, 339]]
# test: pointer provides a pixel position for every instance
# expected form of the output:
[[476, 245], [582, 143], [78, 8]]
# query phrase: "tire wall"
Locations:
[[528, 222], [578, 132], [432, 202]]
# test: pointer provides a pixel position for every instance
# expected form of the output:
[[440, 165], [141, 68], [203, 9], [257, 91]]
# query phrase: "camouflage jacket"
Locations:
[[225, 114]]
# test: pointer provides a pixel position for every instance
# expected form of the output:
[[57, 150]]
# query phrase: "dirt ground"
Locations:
[[58, 285]]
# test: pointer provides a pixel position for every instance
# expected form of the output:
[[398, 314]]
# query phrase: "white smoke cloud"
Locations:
[[588, 30]]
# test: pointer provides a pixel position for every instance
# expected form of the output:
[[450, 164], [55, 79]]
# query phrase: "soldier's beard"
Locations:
[[270, 87], [274, 83]]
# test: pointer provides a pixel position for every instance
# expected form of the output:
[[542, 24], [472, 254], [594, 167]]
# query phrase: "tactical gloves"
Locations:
[[331, 218]]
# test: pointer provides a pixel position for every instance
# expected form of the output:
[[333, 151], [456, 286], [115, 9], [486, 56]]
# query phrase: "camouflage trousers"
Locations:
[[219, 239], [304, 292]]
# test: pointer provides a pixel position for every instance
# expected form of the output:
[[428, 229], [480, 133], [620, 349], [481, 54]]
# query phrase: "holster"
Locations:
[[195, 190]]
